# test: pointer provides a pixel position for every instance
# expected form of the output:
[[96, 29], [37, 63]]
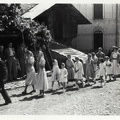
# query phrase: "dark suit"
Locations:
[[3, 76], [21, 58], [12, 64]]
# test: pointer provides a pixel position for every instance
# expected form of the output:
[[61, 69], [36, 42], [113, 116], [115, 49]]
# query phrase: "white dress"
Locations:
[[102, 69], [95, 63], [63, 75], [55, 74], [108, 67], [79, 74], [115, 63], [42, 81], [31, 75]]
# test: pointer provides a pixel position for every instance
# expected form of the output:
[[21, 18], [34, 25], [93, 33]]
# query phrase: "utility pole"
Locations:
[[117, 32]]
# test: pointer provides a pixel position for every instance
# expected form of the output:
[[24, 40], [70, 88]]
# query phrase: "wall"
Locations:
[[84, 40]]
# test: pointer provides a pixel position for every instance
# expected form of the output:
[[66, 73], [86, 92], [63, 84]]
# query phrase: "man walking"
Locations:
[[3, 77]]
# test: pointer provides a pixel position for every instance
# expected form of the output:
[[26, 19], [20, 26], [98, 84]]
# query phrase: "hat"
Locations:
[[106, 57], [63, 64], [100, 48], [93, 53], [115, 47], [77, 58]]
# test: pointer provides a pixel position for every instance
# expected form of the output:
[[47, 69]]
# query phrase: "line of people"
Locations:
[[97, 66]]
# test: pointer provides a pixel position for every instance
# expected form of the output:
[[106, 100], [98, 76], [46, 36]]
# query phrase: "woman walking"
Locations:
[[79, 72], [70, 68], [31, 75], [115, 62], [90, 74], [42, 81]]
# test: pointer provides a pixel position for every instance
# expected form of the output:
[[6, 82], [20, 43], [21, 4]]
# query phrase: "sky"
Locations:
[[61, 1]]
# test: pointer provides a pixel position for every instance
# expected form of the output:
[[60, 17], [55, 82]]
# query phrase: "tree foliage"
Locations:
[[12, 22]]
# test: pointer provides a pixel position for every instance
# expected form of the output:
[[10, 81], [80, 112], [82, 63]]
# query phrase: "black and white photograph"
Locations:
[[60, 58]]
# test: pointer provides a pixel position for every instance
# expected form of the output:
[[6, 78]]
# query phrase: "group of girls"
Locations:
[[96, 67], [69, 71], [105, 68], [38, 80]]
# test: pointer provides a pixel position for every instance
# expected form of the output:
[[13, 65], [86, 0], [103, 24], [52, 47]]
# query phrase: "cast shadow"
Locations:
[[31, 98], [20, 95], [2, 105], [110, 81], [71, 89], [57, 93], [50, 91], [96, 87]]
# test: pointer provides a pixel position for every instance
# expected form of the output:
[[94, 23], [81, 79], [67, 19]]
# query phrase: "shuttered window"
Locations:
[[98, 11]]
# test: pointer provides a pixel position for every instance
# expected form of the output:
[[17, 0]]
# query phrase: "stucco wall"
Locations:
[[84, 40]]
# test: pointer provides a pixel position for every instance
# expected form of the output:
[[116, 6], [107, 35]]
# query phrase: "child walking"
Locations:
[[102, 72], [108, 68], [55, 73], [63, 76], [79, 72]]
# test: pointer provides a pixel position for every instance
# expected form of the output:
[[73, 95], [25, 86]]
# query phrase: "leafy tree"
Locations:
[[34, 33]]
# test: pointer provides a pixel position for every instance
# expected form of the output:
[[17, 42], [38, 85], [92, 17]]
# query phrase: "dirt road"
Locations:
[[90, 100]]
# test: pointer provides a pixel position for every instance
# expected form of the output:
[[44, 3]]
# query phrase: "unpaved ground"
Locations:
[[90, 100]]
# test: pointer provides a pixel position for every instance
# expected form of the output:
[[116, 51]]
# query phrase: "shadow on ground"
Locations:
[[8, 89], [57, 93], [71, 89], [19, 95], [31, 98], [96, 87]]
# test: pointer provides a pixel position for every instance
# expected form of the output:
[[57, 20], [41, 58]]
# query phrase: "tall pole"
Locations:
[[117, 33]]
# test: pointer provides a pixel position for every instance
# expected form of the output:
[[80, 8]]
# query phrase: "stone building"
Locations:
[[104, 30]]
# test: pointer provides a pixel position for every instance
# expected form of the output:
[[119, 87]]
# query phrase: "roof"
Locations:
[[40, 9], [73, 52], [37, 10]]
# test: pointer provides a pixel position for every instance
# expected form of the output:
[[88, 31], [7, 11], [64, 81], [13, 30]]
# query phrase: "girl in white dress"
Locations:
[[55, 73], [63, 76], [79, 72], [42, 81], [108, 68], [102, 71], [31, 75]]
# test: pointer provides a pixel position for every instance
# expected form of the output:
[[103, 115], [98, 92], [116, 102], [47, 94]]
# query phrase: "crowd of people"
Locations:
[[97, 67]]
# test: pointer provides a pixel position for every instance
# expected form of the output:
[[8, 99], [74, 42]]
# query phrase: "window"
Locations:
[[98, 11]]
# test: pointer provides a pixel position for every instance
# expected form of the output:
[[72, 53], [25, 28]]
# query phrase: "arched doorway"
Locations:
[[98, 39]]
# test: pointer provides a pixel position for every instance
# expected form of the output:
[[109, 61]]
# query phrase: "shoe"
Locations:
[[6, 103], [78, 87], [24, 93], [83, 84]]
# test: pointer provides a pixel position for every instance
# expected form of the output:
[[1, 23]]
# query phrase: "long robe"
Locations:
[[115, 61], [90, 69], [79, 68], [31, 75], [70, 68], [42, 81]]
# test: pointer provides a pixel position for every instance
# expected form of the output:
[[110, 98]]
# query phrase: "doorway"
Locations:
[[98, 40]]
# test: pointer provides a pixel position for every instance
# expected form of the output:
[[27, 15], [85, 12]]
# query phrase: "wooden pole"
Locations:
[[117, 33]]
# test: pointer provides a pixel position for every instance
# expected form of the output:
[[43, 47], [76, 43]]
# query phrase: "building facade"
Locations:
[[104, 30]]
